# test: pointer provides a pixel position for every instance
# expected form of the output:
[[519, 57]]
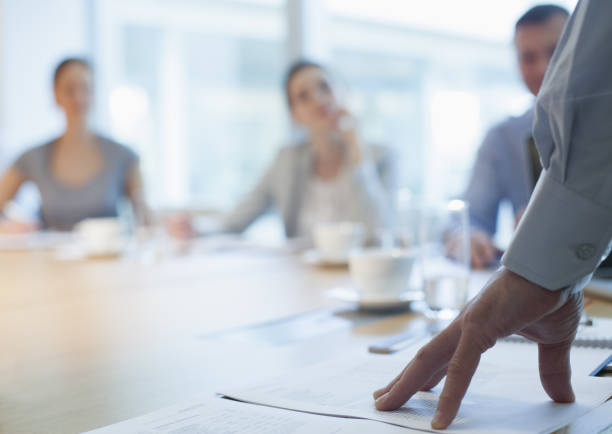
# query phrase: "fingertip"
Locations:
[[388, 402], [380, 402], [555, 372], [439, 421], [564, 395], [559, 389], [378, 393], [571, 397]]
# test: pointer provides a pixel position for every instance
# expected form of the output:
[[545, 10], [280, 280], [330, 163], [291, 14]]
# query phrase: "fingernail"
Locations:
[[380, 400]]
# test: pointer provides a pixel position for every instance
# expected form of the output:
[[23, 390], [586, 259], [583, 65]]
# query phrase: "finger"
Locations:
[[484, 252], [488, 251], [555, 371], [476, 261], [335, 117], [181, 229], [451, 247], [427, 362], [433, 381], [460, 372], [378, 393]]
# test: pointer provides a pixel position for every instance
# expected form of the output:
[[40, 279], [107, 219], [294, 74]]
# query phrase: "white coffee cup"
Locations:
[[382, 272], [100, 236], [334, 241]]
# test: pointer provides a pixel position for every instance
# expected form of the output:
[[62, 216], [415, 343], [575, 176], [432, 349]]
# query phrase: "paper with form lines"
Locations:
[[503, 397], [222, 416]]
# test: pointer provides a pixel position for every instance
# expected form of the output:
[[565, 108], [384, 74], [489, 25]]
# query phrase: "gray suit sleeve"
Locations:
[[484, 193], [255, 203], [28, 163], [567, 227]]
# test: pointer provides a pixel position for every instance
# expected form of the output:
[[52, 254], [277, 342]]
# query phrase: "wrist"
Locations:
[[515, 280], [354, 154]]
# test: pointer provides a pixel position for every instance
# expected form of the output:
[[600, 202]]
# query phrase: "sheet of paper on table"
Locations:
[[222, 416], [39, 240], [505, 395]]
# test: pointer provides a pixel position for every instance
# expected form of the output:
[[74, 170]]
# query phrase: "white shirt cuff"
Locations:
[[562, 236]]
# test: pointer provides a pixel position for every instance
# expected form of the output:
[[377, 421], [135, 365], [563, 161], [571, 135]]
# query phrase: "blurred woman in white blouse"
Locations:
[[331, 176]]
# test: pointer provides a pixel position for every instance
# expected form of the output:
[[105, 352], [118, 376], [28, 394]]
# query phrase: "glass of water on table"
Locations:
[[444, 247]]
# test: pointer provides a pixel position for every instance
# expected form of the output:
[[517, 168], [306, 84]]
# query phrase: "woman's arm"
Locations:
[[9, 185], [134, 190], [255, 203]]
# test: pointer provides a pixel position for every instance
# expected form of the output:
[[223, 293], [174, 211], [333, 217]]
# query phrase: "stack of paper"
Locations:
[[222, 416], [39, 240], [505, 397], [500, 399]]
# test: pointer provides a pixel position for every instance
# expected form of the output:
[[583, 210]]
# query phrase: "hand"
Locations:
[[346, 126], [180, 226], [507, 304], [482, 250], [10, 226]]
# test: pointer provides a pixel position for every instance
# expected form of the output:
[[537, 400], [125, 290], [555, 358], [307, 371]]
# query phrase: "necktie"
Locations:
[[534, 160]]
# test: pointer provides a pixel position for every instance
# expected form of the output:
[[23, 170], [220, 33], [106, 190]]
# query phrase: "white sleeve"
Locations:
[[567, 227]]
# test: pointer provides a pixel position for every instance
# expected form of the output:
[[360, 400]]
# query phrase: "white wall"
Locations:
[[34, 36]]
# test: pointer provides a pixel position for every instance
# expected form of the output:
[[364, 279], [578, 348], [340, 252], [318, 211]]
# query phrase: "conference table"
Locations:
[[87, 343]]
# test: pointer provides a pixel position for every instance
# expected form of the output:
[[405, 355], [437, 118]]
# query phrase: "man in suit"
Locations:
[[507, 166], [565, 232]]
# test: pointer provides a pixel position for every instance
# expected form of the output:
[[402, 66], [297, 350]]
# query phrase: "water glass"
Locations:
[[444, 247]]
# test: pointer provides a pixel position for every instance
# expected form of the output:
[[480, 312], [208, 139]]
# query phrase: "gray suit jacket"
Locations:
[[284, 183], [502, 171], [567, 227]]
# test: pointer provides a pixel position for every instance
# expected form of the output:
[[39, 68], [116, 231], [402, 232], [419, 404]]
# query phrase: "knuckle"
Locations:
[[478, 331], [480, 340], [456, 368], [421, 355], [471, 319], [446, 400]]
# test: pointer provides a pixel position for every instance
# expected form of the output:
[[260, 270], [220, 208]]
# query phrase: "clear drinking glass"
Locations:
[[444, 250]]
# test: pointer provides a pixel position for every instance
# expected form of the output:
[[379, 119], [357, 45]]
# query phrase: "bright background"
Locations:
[[195, 85]]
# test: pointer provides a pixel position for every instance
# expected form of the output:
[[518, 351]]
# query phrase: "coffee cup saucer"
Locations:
[[109, 253], [78, 250], [316, 257], [375, 302]]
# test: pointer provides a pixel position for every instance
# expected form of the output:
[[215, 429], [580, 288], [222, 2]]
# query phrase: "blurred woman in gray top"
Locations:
[[80, 174], [331, 176]]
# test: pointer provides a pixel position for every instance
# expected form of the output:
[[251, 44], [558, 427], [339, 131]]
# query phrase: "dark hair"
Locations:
[[294, 69], [540, 14], [66, 63]]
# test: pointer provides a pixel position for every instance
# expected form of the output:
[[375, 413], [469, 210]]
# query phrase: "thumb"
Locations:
[[555, 371]]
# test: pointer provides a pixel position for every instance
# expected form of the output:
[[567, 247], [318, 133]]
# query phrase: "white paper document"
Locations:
[[505, 396], [39, 240], [222, 416]]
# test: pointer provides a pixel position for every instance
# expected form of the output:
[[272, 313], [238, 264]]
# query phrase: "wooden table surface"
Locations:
[[89, 343]]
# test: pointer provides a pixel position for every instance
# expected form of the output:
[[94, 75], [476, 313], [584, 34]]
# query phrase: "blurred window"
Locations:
[[194, 87]]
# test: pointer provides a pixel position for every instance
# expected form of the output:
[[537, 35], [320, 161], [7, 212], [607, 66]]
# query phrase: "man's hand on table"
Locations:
[[507, 304], [483, 252]]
